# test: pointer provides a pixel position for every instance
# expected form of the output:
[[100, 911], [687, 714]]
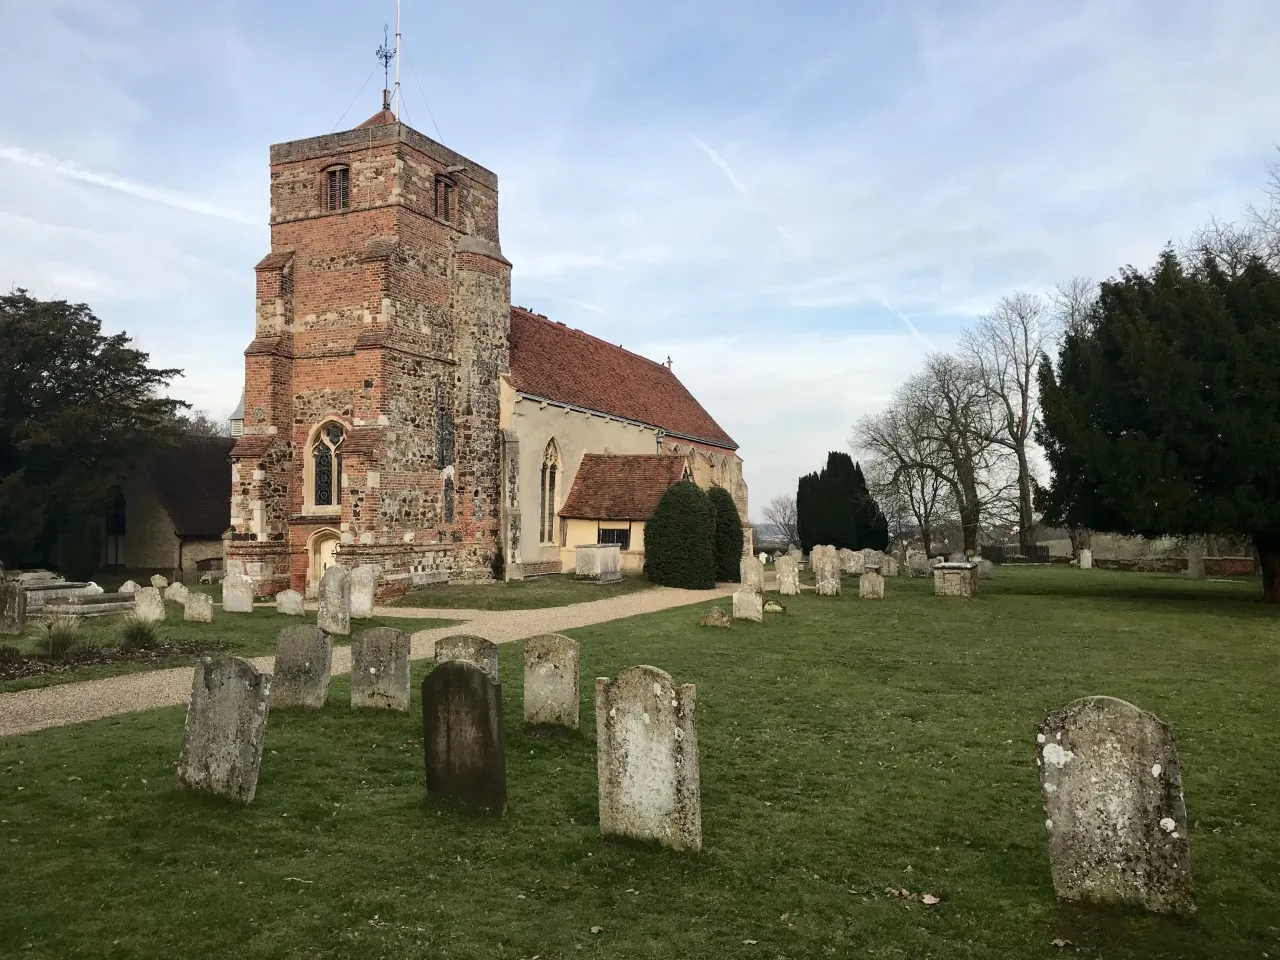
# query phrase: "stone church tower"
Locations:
[[371, 410]]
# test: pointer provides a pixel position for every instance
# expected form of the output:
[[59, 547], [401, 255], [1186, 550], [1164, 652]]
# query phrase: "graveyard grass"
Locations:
[[551, 591], [846, 746]]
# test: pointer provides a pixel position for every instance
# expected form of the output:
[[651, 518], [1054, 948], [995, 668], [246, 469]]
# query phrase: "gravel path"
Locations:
[[67, 703]]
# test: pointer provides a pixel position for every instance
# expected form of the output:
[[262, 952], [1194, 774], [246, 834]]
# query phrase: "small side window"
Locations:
[[337, 192], [445, 198]]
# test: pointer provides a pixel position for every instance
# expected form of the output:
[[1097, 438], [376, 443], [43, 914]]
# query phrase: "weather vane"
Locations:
[[386, 55]]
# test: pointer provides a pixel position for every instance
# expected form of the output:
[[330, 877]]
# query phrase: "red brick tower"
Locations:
[[371, 430]]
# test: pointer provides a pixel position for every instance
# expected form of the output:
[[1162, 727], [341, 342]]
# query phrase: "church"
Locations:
[[400, 412]]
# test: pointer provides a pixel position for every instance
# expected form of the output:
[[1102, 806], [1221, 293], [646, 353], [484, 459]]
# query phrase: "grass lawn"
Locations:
[[250, 635], [846, 746], [550, 591]]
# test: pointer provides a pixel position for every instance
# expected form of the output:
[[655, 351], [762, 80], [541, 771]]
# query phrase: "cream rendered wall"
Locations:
[[578, 532]]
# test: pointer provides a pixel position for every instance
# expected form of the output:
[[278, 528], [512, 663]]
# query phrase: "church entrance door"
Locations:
[[323, 547]]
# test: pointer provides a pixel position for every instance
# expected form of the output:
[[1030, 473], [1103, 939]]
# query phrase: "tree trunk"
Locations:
[[1026, 514], [1268, 545]]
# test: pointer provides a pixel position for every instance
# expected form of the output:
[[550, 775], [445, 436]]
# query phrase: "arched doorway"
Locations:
[[321, 552]]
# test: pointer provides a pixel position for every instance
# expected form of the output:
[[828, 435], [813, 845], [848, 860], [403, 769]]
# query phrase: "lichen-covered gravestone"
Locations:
[[850, 561], [159, 582], [917, 563], [13, 607], [748, 605], [364, 584], [715, 617], [462, 744], [148, 605], [237, 593], [751, 575], [380, 669], [127, 587], [647, 758], [176, 592], [1113, 806], [551, 681], [304, 661], [333, 607], [870, 586], [290, 603], [788, 571], [198, 608], [483, 653], [890, 566], [826, 570], [773, 606], [225, 729]]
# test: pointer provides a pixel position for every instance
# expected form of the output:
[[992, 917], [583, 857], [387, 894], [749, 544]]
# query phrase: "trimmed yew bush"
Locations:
[[728, 536], [679, 537]]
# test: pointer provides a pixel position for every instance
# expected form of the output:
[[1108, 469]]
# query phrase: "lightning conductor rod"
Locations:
[[397, 60]]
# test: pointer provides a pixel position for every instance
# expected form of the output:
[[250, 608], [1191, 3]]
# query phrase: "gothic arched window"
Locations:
[[448, 498], [547, 500], [326, 466]]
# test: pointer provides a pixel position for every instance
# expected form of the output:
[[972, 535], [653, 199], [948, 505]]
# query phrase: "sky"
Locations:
[[795, 202]]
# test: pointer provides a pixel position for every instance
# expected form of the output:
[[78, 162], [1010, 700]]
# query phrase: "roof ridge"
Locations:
[[592, 336]]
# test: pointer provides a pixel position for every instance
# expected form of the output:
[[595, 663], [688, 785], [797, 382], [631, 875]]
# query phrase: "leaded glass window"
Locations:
[[326, 464], [547, 498]]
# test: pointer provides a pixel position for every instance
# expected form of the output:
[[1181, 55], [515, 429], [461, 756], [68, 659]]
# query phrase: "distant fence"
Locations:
[[998, 553]]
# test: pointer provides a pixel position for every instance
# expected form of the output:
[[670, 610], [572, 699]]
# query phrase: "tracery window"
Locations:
[[326, 466], [547, 499]]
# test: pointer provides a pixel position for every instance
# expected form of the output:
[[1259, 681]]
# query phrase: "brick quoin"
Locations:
[[364, 317]]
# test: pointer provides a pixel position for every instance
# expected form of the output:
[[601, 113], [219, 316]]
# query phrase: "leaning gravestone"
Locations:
[[751, 575], [1114, 813], [870, 586], [483, 653], [1086, 558], [333, 614], [647, 758], [748, 605], [13, 607], [551, 681], [290, 603], [304, 661], [462, 744], [826, 571], [225, 728], [889, 568], [380, 669], [237, 593], [364, 584], [788, 570], [148, 605], [159, 582], [198, 608]]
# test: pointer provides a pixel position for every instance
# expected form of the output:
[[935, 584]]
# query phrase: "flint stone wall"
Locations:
[[751, 575], [788, 570], [225, 728], [304, 662], [464, 754], [748, 605], [551, 690], [148, 605], [333, 606], [380, 669], [237, 593], [198, 608], [290, 603], [647, 758], [1113, 806], [483, 653], [364, 586]]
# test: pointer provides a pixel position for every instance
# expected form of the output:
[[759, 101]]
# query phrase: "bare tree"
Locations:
[[781, 512], [893, 448], [1073, 301], [1005, 348], [198, 423]]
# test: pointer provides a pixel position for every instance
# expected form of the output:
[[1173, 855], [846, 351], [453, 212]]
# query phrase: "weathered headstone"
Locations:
[[159, 582], [176, 592], [1195, 559], [957, 557], [890, 566], [551, 680], [871, 586], [751, 575], [237, 593], [91, 589], [983, 567], [148, 605], [225, 729], [773, 606], [826, 570], [748, 605], [364, 584], [462, 744], [764, 558], [380, 669], [1113, 806], [955, 579], [715, 617], [850, 561], [13, 607], [647, 758], [127, 587], [1086, 558], [788, 570], [304, 661], [917, 563], [290, 603], [794, 553], [333, 613], [483, 653], [198, 608]]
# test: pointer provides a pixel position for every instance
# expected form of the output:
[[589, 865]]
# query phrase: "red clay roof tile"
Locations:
[[620, 486]]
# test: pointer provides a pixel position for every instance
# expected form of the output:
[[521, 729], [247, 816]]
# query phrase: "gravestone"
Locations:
[[333, 613], [647, 758], [788, 569], [794, 553], [748, 605], [159, 582], [483, 653], [890, 566], [850, 561], [380, 669], [1195, 560], [917, 563], [826, 571], [127, 587], [225, 728], [462, 744], [1113, 806], [983, 567], [715, 617], [176, 592], [198, 608], [304, 662], [364, 583], [290, 603], [148, 605], [237, 593], [773, 606], [954, 579], [1086, 558], [551, 680], [13, 607], [598, 562], [870, 586], [957, 557], [751, 575]]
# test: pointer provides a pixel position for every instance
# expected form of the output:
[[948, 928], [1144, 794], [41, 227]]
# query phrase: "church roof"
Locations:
[[383, 116], [621, 486], [192, 482], [554, 362]]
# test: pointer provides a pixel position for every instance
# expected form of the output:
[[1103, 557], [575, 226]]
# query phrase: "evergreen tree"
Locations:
[[872, 527], [807, 512], [728, 536], [834, 507], [679, 539]]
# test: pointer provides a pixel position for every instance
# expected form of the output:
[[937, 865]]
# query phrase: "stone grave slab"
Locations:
[[225, 728], [380, 669], [551, 693]]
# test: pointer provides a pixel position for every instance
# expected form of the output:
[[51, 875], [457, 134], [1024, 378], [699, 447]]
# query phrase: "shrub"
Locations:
[[679, 539], [728, 536], [137, 634], [61, 636], [9, 654]]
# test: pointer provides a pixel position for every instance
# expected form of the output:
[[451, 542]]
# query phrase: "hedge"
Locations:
[[678, 539]]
